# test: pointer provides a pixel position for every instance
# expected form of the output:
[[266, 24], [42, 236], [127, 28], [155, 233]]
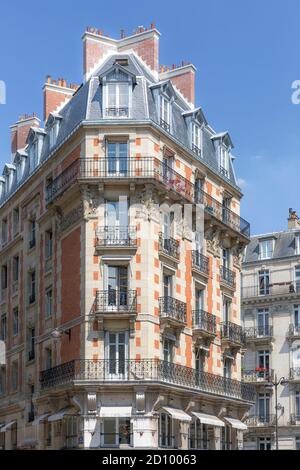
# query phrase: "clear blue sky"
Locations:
[[246, 54]]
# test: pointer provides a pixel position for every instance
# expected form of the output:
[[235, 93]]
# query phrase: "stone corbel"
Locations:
[[140, 400], [158, 403], [92, 403]]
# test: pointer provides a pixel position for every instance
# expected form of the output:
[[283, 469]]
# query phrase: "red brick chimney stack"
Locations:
[[20, 131], [183, 77], [56, 92]]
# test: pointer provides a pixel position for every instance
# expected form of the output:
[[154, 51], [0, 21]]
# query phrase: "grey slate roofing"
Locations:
[[284, 245], [86, 105]]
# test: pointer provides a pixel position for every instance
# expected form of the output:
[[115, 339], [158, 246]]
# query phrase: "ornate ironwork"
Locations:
[[115, 300], [137, 370], [294, 419], [196, 150], [224, 172], [294, 330], [232, 332], [227, 276], [200, 262], [257, 332], [205, 321], [116, 236], [295, 373], [169, 246], [62, 182], [172, 308], [254, 421], [258, 375], [70, 218], [219, 211], [117, 112], [278, 288], [165, 125]]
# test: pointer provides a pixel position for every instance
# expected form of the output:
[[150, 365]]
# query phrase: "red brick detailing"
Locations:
[[95, 260], [156, 329], [96, 157], [95, 225], [138, 341], [188, 172], [155, 245], [74, 155], [93, 51], [156, 344], [138, 291], [138, 156], [53, 98], [156, 262], [156, 278], [178, 288], [138, 259], [138, 308], [209, 188], [147, 50], [186, 84], [178, 351], [96, 276], [138, 356], [218, 292], [138, 141], [138, 275], [95, 343], [156, 295], [156, 312], [218, 307], [95, 357], [156, 148], [20, 131], [96, 142], [177, 163], [188, 283], [188, 351], [218, 363], [138, 326]]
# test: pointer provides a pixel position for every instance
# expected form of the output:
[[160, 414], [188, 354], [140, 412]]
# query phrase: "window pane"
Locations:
[[123, 95], [111, 95], [109, 427]]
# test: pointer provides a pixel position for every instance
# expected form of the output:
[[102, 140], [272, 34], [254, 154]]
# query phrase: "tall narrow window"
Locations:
[[166, 427], [16, 220], [263, 363], [263, 320], [117, 100], [297, 318], [116, 283], [224, 161], [266, 249], [200, 359], [264, 282], [297, 245], [32, 233], [3, 327], [116, 353], [4, 278], [168, 350], [117, 158], [264, 407], [297, 278], [4, 231], [196, 139], [32, 287], [2, 380], [16, 268], [14, 376], [31, 344], [297, 405], [48, 303], [165, 113], [15, 321], [48, 358], [48, 244]]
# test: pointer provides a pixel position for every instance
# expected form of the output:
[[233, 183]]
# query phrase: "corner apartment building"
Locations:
[[271, 315], [120, 318]]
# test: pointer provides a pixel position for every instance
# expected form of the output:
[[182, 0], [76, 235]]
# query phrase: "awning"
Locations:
[[60, 414], [176, 413], [40, 418], [115, 411], [235, 423], [7, 426], [211, 420]]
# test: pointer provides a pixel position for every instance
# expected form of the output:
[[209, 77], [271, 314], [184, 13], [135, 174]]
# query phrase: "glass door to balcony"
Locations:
[[264, 282], [168, 350], [116, 221], [264, 407], [117, 287], [117, 158], [297, 278], [225, 258], [263, 361], [296, 318], [263, 319], [116, 354]]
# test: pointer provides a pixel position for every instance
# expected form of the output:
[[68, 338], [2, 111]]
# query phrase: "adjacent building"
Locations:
[[271, 315], [121, 242]]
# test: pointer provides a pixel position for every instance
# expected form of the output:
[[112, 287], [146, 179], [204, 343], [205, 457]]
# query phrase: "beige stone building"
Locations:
[[120, 263], [271, 316]]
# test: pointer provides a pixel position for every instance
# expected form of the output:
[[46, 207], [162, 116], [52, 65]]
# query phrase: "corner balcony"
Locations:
[[200, 263], [279, 290], [259, 334], [257, 421], [204, 324], [226, 218], [142, 372], [258, 376], [172, 312], [117, 239], [227, 278], [295, 375], [116, 303], [169, 247], [232, 335]]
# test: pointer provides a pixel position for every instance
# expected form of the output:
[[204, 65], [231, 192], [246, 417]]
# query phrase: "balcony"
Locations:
[[118, 238], [232, 334], [295, 374], [258, 376], [117, 112], [259, 334], [293, 332], [165, 125], [168, 246], [279, 289], [227, 277], [257, 421], [143, 371], [172, 311], [196, 150], [204, 324], [116, 303], [224, 172], [60, 184], [214, 208], [295, 419], [200, 262]]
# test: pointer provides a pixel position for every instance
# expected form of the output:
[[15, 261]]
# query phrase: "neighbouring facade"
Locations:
[[271, 316], [120, 318]]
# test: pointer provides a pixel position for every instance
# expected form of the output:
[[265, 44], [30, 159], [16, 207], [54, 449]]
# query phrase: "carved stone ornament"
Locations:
[[149, 205]]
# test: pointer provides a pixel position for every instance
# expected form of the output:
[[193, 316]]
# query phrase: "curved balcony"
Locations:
[[258, 376], [295, 374], [259, 334], [285, 289], [144, 371], [257, 421], [204, 324], [227, 277], [293, 331], [232, 334], [168, 246], [121, 237], [172, 311], [200, 262], [115, 301]]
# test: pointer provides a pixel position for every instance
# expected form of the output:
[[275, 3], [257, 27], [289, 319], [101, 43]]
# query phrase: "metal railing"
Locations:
[[144, 370], [278, 288], [254, 421], [169, 246], [294, 419], [227, 276], [257, 375], [295, 373], [62, 181], [117, 112], [222, 213], [294, 330], [115, 300], [257, 332], [205, 321], [116, 236], [200, 262], [196, 150], [172, 308], [232, 332], [165, 125], [224, 172]]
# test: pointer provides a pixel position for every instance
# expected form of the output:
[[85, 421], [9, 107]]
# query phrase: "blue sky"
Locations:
[[246, 54]]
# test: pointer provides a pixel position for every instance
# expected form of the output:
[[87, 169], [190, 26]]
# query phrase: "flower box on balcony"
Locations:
[[260, 369]]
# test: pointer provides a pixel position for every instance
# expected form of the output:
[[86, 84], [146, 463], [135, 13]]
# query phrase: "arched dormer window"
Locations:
[[117, 85]]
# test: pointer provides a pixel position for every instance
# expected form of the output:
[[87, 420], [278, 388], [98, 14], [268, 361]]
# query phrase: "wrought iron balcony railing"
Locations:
[[294, 330], [227, 276], [196, 150], [278, 288], [168, 246], [123, 236], [205, 321], [224, 172], [200, 262], [254, 421], [115, 300], [144, 370], [219, 211], [62, 181], [172, 308], [232, 332], [165, 125], [294, 419], [258, 332], [295, 373], [258, 375], [117, 112]]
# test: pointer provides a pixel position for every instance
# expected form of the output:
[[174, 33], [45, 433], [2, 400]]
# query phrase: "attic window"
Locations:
[[123, 62]]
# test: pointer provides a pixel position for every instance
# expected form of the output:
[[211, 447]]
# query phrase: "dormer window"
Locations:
[[297, 245], [164, 110], [53, 131], [33, 155], [224, 160], [117, 92], [196, 139], [52, 127], [266, 249]]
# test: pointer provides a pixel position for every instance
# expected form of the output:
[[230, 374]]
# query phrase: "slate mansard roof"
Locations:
[[86, 107], [284, 246]]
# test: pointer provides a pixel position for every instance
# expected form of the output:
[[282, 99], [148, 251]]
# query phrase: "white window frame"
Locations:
[[117, 98], [196, 136], [224, 158], [116, 422], [16, 318], [164, 106], [297, 244], [48, 303], [264, 251], [169, 429]]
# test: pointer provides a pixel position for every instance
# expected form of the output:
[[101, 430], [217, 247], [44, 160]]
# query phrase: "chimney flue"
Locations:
[[293, 220]]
